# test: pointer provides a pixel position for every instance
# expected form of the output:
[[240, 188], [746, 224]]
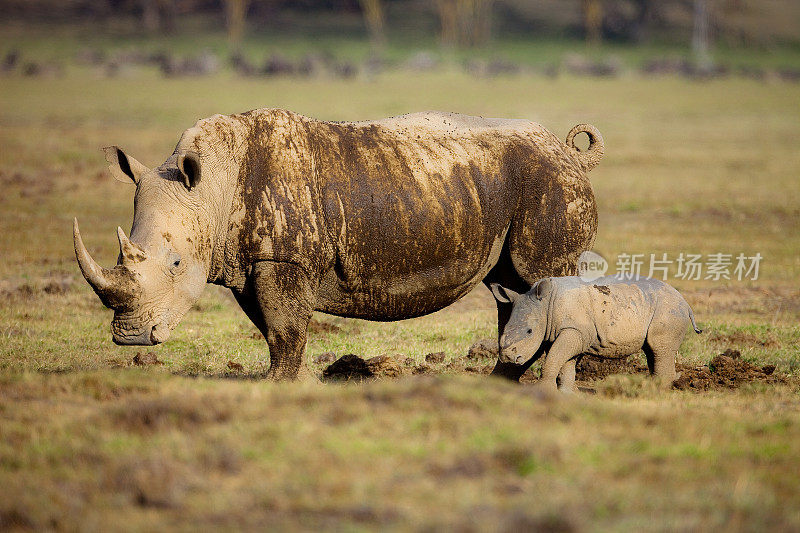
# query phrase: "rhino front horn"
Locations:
[[97, 276], [116, 287]]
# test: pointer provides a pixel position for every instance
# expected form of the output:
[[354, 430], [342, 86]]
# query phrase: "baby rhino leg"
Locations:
[[567, 346], [664, 337], [566, 378]]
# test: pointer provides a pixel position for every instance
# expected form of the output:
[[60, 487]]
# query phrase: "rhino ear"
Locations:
[[189, 165], [543, 288], [122, 166], [502, 294]]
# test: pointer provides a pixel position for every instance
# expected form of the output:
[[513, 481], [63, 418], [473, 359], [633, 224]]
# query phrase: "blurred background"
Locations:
[[696, 38]]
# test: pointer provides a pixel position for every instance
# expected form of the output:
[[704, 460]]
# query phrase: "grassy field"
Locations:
[[87, 438]]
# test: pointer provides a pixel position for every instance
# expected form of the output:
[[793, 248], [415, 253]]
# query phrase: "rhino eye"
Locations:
[[530, 331], [174, 261]]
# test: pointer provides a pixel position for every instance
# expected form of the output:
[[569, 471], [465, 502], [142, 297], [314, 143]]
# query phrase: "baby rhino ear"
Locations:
[[502, 294], [543, 288]]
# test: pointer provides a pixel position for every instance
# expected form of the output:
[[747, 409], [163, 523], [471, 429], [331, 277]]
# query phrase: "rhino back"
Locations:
[[419, 206]]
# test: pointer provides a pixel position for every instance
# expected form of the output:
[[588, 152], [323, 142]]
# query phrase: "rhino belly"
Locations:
[[392, 293], [620, 320]]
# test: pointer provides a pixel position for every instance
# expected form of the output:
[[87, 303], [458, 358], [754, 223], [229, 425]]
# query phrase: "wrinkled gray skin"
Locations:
[[567, 317], [381, 220]]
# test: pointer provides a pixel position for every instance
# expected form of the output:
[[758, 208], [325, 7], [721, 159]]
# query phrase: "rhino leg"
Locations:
[[566, 378], [284, 298]]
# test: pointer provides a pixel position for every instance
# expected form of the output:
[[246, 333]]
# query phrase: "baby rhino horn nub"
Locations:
[[115, 287]]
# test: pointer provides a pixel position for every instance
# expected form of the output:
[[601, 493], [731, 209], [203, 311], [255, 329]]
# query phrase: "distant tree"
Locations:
[[648, 14], [464, 22], [700, 33], [448, 21], [235, 17], [593, 21], [158, 15], [376, 20]]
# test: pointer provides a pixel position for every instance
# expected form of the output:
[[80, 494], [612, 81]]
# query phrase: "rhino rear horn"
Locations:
[[128, 251]]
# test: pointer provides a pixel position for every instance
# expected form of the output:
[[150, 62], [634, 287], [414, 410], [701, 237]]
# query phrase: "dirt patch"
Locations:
[[384, 366], [725, 371], [147, 359], [435, 358], [322, 328], [483, 349], [57, 285], [348, 367], [15, 520], [422, 369], [603, 289], [32, 288], [739, 338], [591, 368], [233, 366], [351, 367], [156, 482]]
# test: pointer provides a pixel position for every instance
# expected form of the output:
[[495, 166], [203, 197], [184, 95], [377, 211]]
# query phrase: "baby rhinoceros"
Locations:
[[607, 317]]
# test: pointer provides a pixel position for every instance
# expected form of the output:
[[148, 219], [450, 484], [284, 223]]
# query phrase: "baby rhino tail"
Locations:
[[694, 324]]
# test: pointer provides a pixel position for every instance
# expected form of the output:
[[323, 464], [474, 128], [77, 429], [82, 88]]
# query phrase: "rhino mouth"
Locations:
[[149, 336], [145, 338]]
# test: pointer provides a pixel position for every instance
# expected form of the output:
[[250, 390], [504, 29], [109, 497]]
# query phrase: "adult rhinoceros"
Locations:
[[381, 220]]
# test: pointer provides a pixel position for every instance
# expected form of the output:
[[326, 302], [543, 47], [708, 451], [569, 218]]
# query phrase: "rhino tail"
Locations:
[[694, 324], [592, 156]]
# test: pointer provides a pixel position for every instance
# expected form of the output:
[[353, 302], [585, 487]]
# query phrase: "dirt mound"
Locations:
[[233, 366], [591, 368], [725, 371], [146, 359], [351, 367], [483, 349], [384, 366], [422, 369], [435, 358], [348, 367]]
